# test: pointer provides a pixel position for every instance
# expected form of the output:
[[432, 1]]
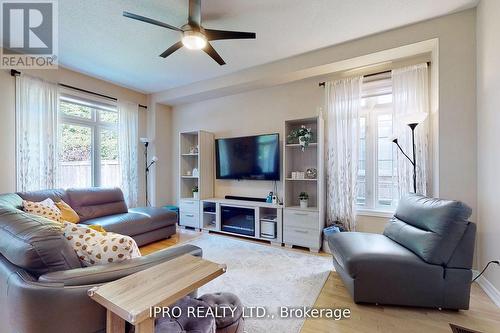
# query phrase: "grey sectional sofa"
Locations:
[[107, 207], [424, 257], [43, 287]]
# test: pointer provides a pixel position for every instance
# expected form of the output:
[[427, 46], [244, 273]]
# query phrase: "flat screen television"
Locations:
[[250, 157]]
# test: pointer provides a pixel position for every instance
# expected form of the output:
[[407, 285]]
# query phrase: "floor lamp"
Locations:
[[412, 120], [148, 165]]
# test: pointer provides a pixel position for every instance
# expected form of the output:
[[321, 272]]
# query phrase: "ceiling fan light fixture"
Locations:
[[194, 40]]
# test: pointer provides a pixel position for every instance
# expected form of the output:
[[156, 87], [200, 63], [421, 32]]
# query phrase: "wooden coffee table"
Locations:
[[131, 298]]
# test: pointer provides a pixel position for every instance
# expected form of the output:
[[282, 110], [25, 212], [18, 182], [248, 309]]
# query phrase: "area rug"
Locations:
[[265, 276]]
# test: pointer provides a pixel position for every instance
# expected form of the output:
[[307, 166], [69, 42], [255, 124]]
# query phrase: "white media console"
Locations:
[[265, 220]]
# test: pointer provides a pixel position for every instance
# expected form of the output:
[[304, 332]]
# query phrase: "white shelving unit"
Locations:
[[203, 160], [304, 226]]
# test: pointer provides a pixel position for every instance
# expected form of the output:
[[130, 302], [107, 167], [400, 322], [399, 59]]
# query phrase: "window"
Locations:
[[377, 187], [88, 135]]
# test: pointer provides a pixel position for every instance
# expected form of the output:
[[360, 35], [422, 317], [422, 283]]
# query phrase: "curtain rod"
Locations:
[[13, 72], [322, 84]]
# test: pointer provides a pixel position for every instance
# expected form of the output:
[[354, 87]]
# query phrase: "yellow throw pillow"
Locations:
[[67, 213], [96, 227], [45, 208]]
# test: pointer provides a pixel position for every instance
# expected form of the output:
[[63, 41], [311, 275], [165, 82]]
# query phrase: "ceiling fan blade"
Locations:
[[194, 12], [171, 49], [151, 21], [213, 54], [223, 34]]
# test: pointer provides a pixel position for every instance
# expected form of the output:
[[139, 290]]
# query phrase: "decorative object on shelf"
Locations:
[[195, 173], [269, 198], [196, 194], [311, 173], [188, 173], [302, 136], [274, 199], [148, 165], [412, 120], [298, 175], [304, 199], [194, 150]]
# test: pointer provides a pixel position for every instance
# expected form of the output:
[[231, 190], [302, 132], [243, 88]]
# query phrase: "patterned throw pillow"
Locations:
[[46, 208], [99, 248]]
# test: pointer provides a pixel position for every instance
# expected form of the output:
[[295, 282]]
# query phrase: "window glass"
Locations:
[[110, 166], [75, 110], [75, 169], [361, 196], [108, 116], [88, 145], [377, 187], [385, 157]]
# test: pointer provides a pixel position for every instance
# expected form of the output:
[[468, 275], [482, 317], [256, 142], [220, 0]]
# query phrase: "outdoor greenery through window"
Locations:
[[377, 186], [88, 144]]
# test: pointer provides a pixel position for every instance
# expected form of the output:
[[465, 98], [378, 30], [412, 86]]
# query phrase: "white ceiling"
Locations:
[[94, 37]]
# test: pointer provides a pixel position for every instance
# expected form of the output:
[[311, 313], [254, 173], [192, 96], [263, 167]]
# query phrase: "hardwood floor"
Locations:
[[482, 316]]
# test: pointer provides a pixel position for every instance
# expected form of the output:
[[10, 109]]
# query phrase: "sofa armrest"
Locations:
[[107, 273]]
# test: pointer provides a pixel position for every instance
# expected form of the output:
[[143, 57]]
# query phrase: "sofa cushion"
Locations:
[[130, 224], [160, 215], [56, 195], [96, 202], [11, 200], [379, 270], [34, 243], [431, 228], [355, 250]]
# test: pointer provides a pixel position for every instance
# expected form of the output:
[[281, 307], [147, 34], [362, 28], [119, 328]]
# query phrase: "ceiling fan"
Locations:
[[194, 36]]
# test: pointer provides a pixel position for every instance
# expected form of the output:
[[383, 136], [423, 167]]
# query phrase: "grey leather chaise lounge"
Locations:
[[424, 258]]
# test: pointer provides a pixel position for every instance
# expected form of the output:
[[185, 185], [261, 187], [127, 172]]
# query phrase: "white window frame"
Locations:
[[378, 86], [95, 124], [371, 164]]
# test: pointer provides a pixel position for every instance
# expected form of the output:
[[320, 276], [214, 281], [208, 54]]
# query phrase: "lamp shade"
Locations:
[[413, 118]]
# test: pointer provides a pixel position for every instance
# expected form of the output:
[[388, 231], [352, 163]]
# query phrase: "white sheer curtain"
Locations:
[[128, 140], [343, 103], [410, 90], [37, 104]]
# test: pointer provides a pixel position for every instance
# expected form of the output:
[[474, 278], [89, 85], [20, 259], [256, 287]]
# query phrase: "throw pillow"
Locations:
[[99, 248], [67, 213], [96, 227], [46, 208]]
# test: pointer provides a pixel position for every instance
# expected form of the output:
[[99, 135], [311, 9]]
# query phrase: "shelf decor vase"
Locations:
[[304, 203]]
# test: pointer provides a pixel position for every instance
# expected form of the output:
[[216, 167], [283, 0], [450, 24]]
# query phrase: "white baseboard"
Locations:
[[488, 288]]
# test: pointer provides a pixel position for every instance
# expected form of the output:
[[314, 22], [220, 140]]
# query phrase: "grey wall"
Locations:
[[488, 119], [264, 110]]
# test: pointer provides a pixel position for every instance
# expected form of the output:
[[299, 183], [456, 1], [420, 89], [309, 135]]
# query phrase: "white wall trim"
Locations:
[[488, 288], [285, 71]]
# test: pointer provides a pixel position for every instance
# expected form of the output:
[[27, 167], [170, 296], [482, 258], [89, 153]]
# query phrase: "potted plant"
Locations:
[[304, 199], [302, 135], [195, 192]]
